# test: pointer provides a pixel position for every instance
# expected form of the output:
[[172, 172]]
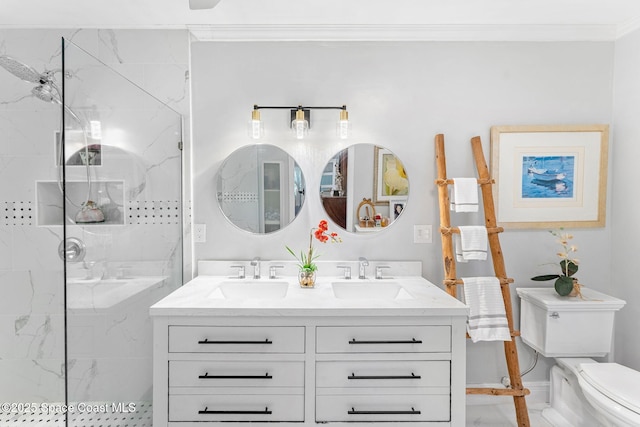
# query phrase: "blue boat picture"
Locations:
[[545, 177]]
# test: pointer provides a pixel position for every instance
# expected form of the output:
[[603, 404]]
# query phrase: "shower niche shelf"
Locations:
[[108, 194]]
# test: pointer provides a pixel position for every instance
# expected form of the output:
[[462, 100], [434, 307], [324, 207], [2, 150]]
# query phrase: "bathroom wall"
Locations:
[[399, 95], [626, 203], [31, 273]]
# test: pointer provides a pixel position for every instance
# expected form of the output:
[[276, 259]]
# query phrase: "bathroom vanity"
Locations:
[[238, 351]]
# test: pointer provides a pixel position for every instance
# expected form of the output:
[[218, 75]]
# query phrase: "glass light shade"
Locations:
[[300, 126], [256, 127], [343, 128]]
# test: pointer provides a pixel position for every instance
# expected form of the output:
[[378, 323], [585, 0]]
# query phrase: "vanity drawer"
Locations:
[[383, 339], [354, 408], [380, 374], [256, 407], [198, 373], [236, 339]]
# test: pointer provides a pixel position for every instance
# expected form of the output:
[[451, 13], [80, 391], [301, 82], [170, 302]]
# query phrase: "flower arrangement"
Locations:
[[564, 282], [321, 233]]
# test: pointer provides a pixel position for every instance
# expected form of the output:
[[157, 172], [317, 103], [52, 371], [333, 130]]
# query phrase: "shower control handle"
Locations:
[[71, 249]]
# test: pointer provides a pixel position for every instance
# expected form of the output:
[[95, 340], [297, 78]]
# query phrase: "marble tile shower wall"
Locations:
[[31, 274]]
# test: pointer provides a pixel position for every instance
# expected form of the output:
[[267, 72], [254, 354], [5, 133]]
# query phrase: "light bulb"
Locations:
[[344, 127], [300, 126], [256, 128]]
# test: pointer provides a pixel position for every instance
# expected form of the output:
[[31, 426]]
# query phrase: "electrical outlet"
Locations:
[[422, 234], [200, 233]]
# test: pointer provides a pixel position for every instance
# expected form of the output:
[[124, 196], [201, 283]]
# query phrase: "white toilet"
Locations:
[[573, 330]]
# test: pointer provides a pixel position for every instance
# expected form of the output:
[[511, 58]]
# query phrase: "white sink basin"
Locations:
[[251, 289], [369, 290]]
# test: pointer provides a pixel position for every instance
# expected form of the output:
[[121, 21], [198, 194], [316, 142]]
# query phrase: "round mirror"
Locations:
[[260, 188], [364, 188]]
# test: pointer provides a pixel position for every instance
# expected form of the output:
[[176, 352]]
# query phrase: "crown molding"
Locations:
[[443, 32]]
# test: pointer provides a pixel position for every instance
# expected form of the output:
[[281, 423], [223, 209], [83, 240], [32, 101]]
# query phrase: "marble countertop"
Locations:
[[204, 296]]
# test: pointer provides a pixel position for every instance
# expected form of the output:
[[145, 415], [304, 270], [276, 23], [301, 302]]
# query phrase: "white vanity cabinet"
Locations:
[[383, 373], [308, 371], [309, 358], [231, 373]]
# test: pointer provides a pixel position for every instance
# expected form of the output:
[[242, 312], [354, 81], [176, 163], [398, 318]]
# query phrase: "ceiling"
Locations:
[[341, 19]]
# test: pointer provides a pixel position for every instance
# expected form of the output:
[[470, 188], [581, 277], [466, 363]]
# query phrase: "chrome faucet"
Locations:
[[347, 271], [379, 271], [272, 271], [362, 262], [240, 268], [256, 267]]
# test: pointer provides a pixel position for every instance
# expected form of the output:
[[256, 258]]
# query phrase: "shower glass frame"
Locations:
[[134, 256]]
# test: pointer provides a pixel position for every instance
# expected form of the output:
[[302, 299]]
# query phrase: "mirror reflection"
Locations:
[[364, 188], [260, 188]]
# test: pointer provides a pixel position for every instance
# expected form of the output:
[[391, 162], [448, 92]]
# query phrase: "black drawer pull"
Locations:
[[384, 377], [411, 341], [411, 412], [206, 376], [206, 341], [207, 411]]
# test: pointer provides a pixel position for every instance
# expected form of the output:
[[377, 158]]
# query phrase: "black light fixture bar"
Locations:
[[307, 110], [297, 107], [300, 119]]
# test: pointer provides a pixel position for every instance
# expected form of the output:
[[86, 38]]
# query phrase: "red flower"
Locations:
[[322, 235]]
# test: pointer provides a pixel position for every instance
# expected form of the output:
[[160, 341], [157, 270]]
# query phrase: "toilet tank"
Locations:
[[558, 326]]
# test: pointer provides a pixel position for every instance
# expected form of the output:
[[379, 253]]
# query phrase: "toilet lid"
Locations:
[[617, 382]]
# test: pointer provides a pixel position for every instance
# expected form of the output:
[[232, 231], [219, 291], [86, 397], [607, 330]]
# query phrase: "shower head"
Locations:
[[45, 92], [23, 71]]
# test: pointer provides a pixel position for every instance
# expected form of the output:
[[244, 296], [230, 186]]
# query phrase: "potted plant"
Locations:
[[307, 273], [565, 284]]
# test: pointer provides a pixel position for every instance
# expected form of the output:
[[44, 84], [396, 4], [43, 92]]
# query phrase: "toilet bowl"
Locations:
[[583, 392], [613, 390], [590, 394]]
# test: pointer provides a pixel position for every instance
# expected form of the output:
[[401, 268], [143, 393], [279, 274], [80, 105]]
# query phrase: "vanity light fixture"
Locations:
[[300, 120], [256, 127], [344, 127], [300, 124]]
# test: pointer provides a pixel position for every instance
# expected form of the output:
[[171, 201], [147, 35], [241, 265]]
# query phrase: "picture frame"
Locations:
[[388, 171], [550, 176], [396, 207]]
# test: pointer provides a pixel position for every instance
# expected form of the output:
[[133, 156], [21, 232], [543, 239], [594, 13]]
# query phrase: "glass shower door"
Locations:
[[123, 233]]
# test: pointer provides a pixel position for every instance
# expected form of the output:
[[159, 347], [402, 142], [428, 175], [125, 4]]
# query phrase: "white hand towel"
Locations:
[[487, 316], [463, 197], [473, 242], [457, 245]]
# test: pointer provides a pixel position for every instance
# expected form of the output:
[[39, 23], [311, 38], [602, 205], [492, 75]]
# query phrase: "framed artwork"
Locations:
[[396, 207], [389, 177], [550, 176]]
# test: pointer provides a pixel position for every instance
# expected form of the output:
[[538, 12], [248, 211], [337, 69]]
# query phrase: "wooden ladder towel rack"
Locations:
[[451, 280]]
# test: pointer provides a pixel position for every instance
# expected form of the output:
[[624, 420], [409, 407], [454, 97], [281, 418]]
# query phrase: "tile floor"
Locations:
[[482, 415], [503, 415], [141, 418]]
